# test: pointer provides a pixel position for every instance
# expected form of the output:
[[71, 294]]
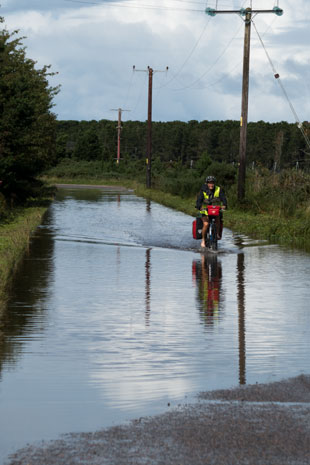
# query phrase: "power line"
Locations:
[[188, 57], [191, 53], [277, 77], [129, 87], [136, 6], [213, 64], [227, 73], [140, 94]]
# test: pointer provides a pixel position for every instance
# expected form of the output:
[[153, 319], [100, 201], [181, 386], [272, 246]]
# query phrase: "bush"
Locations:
[[27, 125], [3, 206]]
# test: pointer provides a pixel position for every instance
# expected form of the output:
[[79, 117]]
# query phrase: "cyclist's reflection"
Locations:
[[207, 275]]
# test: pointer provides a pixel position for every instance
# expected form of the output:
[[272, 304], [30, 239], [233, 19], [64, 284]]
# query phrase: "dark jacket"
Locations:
[[206, 196]]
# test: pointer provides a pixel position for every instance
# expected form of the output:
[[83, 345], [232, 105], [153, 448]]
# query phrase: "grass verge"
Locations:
[[15, 235]]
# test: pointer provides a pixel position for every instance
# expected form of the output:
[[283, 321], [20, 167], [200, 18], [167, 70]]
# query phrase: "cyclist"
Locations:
[[210, 194]]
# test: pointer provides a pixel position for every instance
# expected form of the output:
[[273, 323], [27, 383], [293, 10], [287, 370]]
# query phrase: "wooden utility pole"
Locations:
[[244, 106], [149, 132], [247, 12], [119, 128], [149, 124]]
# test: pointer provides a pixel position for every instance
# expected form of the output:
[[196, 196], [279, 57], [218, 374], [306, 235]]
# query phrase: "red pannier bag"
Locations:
[[197, 228], [213, 210]]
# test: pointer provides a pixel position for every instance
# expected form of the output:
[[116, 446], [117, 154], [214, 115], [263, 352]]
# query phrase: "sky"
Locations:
[[93, 46]]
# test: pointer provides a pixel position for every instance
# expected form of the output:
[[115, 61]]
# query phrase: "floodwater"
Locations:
[[116, 314]]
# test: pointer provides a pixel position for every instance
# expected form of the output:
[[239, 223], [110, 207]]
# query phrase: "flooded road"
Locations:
[[115, 314]]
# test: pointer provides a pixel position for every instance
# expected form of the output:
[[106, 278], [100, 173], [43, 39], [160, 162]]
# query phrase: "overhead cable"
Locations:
[[136, 6], [212, 65], [277, 77], [187, 58]]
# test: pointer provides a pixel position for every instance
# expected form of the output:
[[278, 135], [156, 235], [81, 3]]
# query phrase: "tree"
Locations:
[[88, 145], [27, 125]]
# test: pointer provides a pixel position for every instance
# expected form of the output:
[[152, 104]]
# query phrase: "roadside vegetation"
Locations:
[[276, 208], [27, 147], [15, 233]]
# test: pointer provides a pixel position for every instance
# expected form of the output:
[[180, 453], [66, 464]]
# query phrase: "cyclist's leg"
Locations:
[[221, 224], [205, 220], [218, 227]]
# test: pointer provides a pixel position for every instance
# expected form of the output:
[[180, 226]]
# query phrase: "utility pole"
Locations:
[[244, 106], [119, 128], [149, 132], [247, 13], [149, 124]]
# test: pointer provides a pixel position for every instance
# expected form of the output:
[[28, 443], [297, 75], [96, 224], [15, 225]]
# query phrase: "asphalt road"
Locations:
[[253, 425]]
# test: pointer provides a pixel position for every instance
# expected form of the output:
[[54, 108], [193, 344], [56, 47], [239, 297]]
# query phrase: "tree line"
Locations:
[[271, 145]]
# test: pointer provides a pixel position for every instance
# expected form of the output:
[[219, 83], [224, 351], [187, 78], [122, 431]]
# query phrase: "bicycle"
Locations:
[[211, 235]]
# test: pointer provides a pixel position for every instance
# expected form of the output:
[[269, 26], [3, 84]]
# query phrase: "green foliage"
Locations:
[[14, 240], [202, 165], [284, 194], [3, 207], [195, 144], [27, 125], [225, 173], [88, 146]]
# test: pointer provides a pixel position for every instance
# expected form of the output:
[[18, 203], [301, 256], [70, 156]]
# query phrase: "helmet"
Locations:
[[210, 179]]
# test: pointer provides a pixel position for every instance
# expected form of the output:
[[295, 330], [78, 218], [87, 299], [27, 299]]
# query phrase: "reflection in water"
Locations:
[[207, 273], [148, 274], [241, 316], [147, 287], [148, 205], [26, 309]]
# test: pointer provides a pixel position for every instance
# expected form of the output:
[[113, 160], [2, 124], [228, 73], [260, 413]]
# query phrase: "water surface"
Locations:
[[115, 313]]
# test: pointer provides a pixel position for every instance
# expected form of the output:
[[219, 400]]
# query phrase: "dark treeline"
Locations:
[[274, 146]]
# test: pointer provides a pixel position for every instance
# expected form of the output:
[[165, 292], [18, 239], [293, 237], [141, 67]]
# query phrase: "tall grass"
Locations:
[[277, 207], [285, 193]]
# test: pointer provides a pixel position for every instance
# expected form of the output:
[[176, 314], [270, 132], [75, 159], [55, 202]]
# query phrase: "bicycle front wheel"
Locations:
[[213, 235]]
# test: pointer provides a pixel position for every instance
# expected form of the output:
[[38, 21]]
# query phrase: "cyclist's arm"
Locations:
[[199, 200], [223, 199]]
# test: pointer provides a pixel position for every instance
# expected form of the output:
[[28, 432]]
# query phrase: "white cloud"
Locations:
[[93, 47]]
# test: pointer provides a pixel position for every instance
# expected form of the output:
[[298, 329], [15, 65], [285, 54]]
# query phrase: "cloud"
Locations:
[[94, 47]]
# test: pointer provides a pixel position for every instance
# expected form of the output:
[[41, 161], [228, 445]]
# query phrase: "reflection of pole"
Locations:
[[147, 287], [241, 311]]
